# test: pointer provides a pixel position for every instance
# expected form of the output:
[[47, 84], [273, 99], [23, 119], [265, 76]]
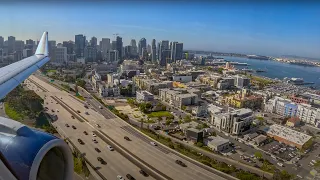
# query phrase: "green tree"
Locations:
[[187, 119], [168, 121], [81, 83], [258, 155], [220, 70]]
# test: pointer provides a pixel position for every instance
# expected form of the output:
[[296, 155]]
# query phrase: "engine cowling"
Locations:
[[29, 154]]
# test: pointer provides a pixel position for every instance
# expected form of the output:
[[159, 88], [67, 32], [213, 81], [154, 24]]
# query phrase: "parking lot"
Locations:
[[280, 151]]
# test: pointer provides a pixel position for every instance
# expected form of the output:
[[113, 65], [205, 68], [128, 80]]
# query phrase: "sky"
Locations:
[[264, 28]]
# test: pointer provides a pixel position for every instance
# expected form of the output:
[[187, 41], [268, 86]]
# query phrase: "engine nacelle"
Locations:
[[29, 154]]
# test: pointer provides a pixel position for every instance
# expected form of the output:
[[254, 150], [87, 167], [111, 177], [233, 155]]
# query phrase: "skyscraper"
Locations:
[[165, 57], [93, 41], [52, 50], [80, 42], [69, 45], [153, 51], [178, 51], [90, 54], [114, 45], [134, 48], [142, 44], [30, 44], [1, 42], [119, 47], [11, 43], [164, 46], [173, 51]]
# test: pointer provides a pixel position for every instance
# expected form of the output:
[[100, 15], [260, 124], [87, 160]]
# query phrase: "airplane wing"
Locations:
[[14, 74]]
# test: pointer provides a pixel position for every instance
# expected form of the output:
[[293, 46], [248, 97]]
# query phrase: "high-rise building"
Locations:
[[127, 51], [149, 48], [112, 56], [119, 47], [158, 51], [153, 51], [27, 53], [133, 44], [19, 45], [93, 41], [178, 51], [114, 45], [105, 46], [142, 44], [52, 48], [69, 45], [144, 54], [90, 54], [60, 55], [164, 46], [165, 57], [80, 43], [11, 43], [1, 41], [173, 50], [30, 44]]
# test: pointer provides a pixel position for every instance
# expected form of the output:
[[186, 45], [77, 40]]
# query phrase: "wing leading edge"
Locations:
[[12, 75]]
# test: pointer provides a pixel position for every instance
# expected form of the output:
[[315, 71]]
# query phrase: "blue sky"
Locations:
[[225, 26]]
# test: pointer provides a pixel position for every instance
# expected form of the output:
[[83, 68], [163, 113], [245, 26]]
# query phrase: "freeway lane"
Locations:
[[116, 163], [159, 159]]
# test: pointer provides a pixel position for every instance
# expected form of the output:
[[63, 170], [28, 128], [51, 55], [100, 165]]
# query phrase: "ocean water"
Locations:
[[280, 70]]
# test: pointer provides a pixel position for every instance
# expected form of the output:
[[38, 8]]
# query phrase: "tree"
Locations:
[[220, 70], [187, 119], [168, 121], [81, 83], [258, 155]]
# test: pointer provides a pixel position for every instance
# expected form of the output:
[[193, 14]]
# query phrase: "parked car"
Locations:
[[73, 127], [72, 117], [110, 148], [94, 135], [127, 138], [153, 143], [120, 177], [67, 125], [85, 132], [94, 140]]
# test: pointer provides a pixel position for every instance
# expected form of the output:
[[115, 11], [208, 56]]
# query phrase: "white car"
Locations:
[[94, 140], [100, 107], [120, 177], [153, 143], [110, 148], [94, 135], [314, 161], [280, 164], [57, 110]]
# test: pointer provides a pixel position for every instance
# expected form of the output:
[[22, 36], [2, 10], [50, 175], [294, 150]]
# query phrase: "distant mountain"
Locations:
[[300, 57]]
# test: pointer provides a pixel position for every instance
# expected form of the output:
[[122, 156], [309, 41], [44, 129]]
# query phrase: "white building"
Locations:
[[182, 78], [217, 143], [60, 55], [200, 110], [144, 96], [178, 97], [241, 81], [213, 110], [308, 114], [112, 56], [235, 122]]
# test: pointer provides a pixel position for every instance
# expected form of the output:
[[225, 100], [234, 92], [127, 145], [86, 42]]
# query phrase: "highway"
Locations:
[[157, 158]]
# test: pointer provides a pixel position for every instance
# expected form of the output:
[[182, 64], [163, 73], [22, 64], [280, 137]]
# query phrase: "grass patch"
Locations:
[[80, 97], [52, 71], [261, 80], [77, 165], [12, 114], [259, 118], [160, 114], [136, 116]]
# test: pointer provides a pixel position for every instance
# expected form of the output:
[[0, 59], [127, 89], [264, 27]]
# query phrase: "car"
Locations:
[[56, 102], [100, 107], [120, 177], [80, 141], [143, 173], [52, 110], [110, 148], [67, 125], [314, 161], [86, 113], [94, 135], [299, 176], [57, 110], [98, 125], [130, 177], [73, 127], [78, 111], [101, 160], [94, 140], [85, 132], [127, 138], [72, 117], [280, 164], [181, 163], [153, 143], [97, 149]]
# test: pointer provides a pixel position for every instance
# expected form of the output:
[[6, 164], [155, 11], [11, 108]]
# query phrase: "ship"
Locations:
[[261, 70]]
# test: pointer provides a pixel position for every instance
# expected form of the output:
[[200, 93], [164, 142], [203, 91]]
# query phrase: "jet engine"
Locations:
[[29, 154]]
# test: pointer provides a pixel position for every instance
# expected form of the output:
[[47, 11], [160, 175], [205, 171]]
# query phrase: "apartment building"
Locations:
[[178, 97], [235, 122], [308, 114], [144, 96]]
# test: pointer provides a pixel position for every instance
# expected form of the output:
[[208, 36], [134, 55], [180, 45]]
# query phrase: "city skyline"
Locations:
[[280, 29]]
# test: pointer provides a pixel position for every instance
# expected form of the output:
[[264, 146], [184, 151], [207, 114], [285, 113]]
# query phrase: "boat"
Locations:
[[247, 70], [261, 70]]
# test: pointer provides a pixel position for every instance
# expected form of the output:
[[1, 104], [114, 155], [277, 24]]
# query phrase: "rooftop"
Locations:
[[288, 134], [217, 140]]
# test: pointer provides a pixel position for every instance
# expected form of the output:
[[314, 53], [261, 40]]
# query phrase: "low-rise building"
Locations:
[[308, 114], [178, 97], [194, 135], [217, 143], [293, 122], [260, 140], [200, 110], [184, 78], [225, 83], [244, 99], [144, 96], [287, 135], [213, 110]]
